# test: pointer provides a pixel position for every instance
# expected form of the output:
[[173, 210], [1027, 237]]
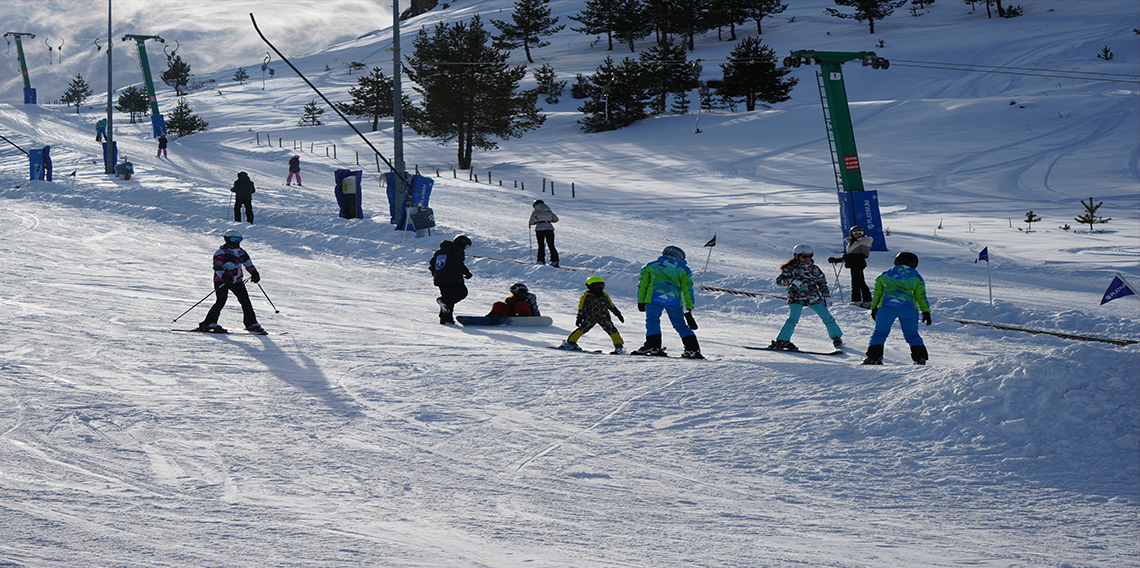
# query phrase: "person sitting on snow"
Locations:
[[521, 303]]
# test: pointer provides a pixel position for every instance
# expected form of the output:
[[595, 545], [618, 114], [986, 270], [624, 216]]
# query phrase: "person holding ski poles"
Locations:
[[161, 145], [294, 170], [900, 293], [243, 191], [448, 273], [665, 286], [229, 261], [543, 219], [857, 248], [594, 308], [807, 286]]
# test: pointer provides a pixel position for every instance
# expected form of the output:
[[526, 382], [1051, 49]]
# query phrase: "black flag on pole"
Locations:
[[712, 241]]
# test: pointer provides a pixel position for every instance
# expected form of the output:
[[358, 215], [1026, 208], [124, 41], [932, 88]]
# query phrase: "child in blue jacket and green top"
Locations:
[[900, 293], [666, 286], [807, 287]]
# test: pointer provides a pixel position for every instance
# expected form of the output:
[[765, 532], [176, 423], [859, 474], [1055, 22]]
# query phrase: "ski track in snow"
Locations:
[[370, 435]]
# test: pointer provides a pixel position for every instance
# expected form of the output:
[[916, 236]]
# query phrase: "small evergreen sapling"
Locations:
[[311, 115], [1089, 217], [1105, 54], [240, 75], [1031, 219]]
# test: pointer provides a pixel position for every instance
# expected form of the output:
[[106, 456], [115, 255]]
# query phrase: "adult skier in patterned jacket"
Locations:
[[666, 286], [900, 293], [448, 273], [229, 261], [807, 287]]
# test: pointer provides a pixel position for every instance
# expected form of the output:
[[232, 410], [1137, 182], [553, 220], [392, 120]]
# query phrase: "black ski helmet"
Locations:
[[519, 287], [908, 258], [462, 241], [538, 202]]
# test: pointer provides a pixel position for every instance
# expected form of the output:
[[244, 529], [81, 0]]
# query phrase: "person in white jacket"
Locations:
[[857, 249], [543, 220]]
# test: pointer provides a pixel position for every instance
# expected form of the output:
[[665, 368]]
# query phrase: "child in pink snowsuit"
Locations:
[[294, 170]]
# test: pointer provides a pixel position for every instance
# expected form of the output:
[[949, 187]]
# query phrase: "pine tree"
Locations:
[[665, 69], [182, 121], [1089, 217], [133, 100], [372, 97], [531, 23], [177, 75], [548, 83], [615, 96], [868, 10], [1031, 219], [760, 9], [689, 18], [240, 75], [471, 103], [77, 93], [729, 13], [597, 18], [752, 74], [311, 114], [631, 21]]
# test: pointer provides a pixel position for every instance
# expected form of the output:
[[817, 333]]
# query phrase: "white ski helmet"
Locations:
[[232, 235], [802, 249]]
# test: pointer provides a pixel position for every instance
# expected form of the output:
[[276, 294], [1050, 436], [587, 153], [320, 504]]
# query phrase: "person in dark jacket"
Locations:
[[243, 191], [294, 170], [857, 248], [161, 146], [228, 277], [448, 273]]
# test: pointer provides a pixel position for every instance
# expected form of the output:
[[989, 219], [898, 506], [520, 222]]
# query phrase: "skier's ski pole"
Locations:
[[530, 241], [192, 307], [838, 285], [275, 310]]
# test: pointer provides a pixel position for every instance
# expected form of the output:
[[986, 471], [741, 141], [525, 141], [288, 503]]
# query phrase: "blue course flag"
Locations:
[[1117, 289], [712, 242], [984, 255]]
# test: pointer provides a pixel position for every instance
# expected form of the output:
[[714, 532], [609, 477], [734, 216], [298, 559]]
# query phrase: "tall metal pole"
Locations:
[[108, 152], [397, 112]]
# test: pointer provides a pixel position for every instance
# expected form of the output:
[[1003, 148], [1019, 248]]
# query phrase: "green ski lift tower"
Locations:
[[857, 206], [29, 92], [156, 120]]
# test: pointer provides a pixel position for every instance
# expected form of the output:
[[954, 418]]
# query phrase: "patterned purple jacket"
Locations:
[[228, 263], [806, 283]]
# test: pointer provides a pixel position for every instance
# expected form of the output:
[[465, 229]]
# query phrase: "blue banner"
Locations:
[[398, 201], [1117, 289], [862, 208], [348, 196]]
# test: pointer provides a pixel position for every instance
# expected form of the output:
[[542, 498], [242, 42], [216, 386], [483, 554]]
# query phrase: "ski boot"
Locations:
[[652, 347], [569, 346], [781, 345], [837, 342], [256, 328], [874, 355], [211, 328], [619, 350], [918, 354], [554, 264], [692, 348]]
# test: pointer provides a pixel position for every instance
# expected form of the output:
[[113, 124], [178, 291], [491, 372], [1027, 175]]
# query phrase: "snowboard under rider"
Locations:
[[665, 286], [857, 248], [229, 261], [243, 191], [900, 293], [543, 219], [448, 273], [594, 308], [521, 303], [807, 286]]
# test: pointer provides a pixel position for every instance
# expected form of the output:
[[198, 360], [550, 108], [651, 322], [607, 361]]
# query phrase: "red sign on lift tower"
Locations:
[[851, 162]]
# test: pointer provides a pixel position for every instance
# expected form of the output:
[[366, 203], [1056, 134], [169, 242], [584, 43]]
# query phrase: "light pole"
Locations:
[[109, 147]]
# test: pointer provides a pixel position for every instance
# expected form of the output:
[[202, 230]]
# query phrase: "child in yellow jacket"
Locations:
[[594, 308]]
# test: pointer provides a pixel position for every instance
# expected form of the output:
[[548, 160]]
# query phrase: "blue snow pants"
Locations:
[[794, 311], [908, 319], [676, 317]]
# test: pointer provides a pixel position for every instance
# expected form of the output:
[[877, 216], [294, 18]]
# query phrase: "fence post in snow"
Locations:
[[572, 190]]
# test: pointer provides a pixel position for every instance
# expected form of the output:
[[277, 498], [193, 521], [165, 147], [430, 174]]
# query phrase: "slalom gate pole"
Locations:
[[407, 180], [275, 310], [194, 306], [707, 263], [991, 286]]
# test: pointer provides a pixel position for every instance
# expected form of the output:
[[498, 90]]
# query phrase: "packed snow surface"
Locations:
[[363, 433]]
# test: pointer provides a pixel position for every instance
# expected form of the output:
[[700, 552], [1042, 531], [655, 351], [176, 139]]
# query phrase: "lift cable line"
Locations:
[[407, 180]]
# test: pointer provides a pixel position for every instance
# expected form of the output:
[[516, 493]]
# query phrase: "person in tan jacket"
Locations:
[[543, 219], [857, 249]]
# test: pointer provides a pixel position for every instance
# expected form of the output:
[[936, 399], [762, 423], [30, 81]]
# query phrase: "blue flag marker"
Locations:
[[1117, 289], [984, 255]]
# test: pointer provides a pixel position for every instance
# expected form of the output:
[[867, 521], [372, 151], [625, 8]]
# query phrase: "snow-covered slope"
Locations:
[[371, 435]]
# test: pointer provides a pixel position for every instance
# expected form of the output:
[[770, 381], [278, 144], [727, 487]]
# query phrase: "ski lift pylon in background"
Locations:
[[170, 55], [98, 48], [265, 67]]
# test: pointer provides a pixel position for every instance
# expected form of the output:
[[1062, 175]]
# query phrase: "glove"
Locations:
[[621, 319], [689, 320], [254, 276], [796, 283], [926, 318], [834, 260], [874, 313], [641, 306], [466, 276]]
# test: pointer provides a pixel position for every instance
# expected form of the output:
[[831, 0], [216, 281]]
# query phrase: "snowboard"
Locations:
[[798, 352], [536, 321], [228, 332]]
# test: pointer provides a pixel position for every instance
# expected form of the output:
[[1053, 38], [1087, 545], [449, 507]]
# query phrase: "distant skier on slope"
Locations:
[[666, 286], [448, 273], [161, 145], [243, 191], [900, 293], [543, 219], [228, 277], [594, 308], [294, 170], [521, 303], [857, 248], [807, 286]]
